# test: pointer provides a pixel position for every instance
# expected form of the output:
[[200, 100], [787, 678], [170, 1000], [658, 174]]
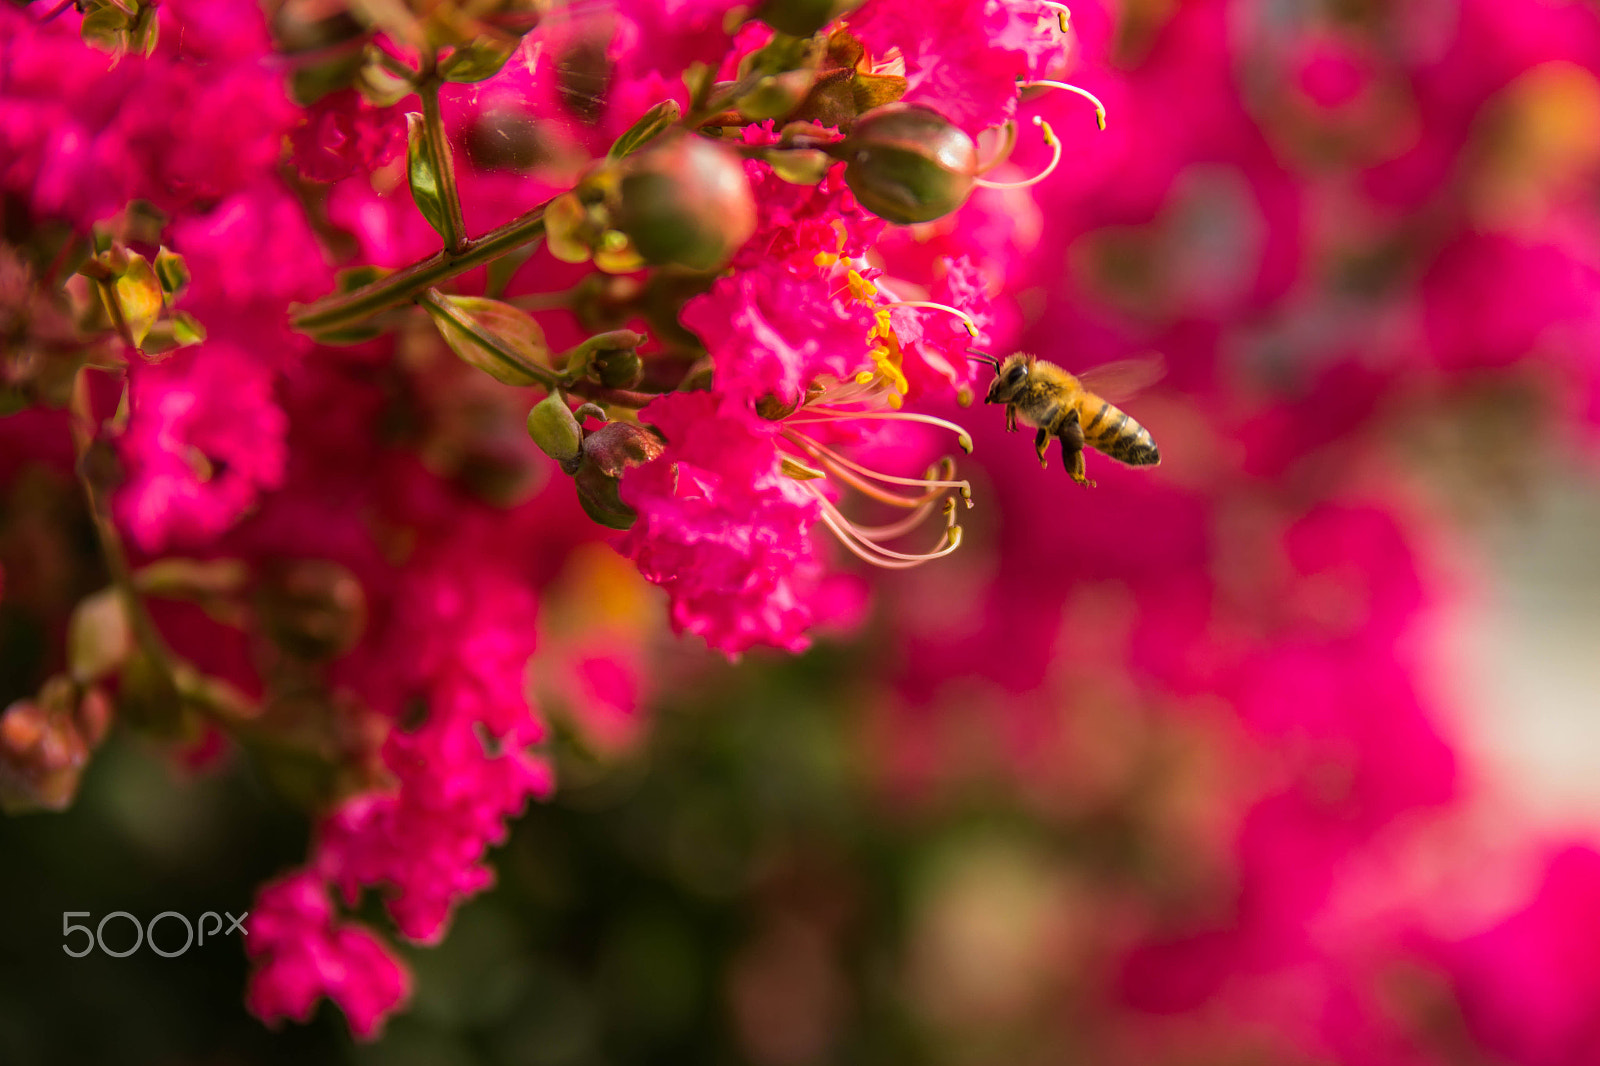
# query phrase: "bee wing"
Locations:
[[1124, 379]]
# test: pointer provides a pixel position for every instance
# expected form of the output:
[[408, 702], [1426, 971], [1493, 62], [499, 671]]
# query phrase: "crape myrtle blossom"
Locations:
[[328, 535]]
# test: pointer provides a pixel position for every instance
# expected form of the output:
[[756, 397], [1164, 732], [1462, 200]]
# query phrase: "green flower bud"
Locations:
[[802, 18], [555, 430], [908, 163], [776, 95], [686, 200]]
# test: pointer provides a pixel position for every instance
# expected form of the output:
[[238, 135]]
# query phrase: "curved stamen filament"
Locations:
[[1055, 159], [1063, 13], [1099, 108], [1005, 148], [869, 550], [963, 438], [972, 327], [822, 451]]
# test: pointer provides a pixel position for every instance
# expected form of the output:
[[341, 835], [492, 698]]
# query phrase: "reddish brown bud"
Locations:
[[607, 454], [42, 756]]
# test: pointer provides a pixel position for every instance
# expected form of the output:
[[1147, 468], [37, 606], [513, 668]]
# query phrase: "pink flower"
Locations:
[[302, 952], [964, 57], [773, 335], [344, 135], [454, 659], [80, 136], [722, 528], [205, 437]]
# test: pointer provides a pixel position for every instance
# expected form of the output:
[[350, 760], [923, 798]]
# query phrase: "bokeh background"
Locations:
[[1287, 752]]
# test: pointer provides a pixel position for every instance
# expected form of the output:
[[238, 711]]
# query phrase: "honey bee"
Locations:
[[1072, 409]]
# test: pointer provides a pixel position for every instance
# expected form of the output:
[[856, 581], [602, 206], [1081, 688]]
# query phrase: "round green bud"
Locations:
[[554, 430], [802, 18], [908, 163], [686, 200]]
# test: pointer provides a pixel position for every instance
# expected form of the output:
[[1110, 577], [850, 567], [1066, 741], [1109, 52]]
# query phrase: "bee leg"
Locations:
[[1011, 418], [1073, 458], [1041, 441], [1071, 434]]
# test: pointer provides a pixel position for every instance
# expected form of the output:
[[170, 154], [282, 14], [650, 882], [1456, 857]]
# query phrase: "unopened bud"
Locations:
[[686, 200], [802, 18], [312, 608], [42, 756], [556, 431], [608, 453], [908, 163], [776, 95]]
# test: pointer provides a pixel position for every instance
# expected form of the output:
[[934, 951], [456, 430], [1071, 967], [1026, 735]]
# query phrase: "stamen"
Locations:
[[963, 438], [1055, 159], [866, 548], [1063, 13], [1099, 108], [1005, 149], [824, 452], [972, 327]]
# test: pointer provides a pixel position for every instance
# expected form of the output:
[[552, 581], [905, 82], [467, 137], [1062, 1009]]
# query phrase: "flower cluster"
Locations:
[[353, 328]]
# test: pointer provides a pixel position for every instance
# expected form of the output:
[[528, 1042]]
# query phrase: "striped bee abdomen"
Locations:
[[1109, 430]]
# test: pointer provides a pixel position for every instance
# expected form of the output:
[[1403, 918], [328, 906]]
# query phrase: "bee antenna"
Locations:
[[985, 357]]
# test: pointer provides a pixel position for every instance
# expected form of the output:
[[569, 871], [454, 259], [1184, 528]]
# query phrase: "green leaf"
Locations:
[[144, 32], [186, 329], [139, 295], [378, 85], [477, 61], [173, 273], [426, 188], [651, 125], [501, 340]]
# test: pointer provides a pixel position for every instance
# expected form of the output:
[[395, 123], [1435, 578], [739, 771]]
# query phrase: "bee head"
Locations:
[[1009, 377]]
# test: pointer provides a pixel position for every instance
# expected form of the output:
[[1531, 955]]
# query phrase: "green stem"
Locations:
[[455, 226], [405, 286]]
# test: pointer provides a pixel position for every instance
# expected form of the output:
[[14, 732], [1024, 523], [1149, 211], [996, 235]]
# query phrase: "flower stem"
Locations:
[[406, 285]]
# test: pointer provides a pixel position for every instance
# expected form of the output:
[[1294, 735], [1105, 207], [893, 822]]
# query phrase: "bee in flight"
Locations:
[[1072, 409]]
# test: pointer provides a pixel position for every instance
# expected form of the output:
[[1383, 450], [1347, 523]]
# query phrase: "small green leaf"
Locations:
[[360, 277], [179, 578], [144, 32], [173, 273], [186, 329], [379, 85], [651, 125], [501, 340], [426, 188], [477, 61], [139, 296], [800, 166]]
